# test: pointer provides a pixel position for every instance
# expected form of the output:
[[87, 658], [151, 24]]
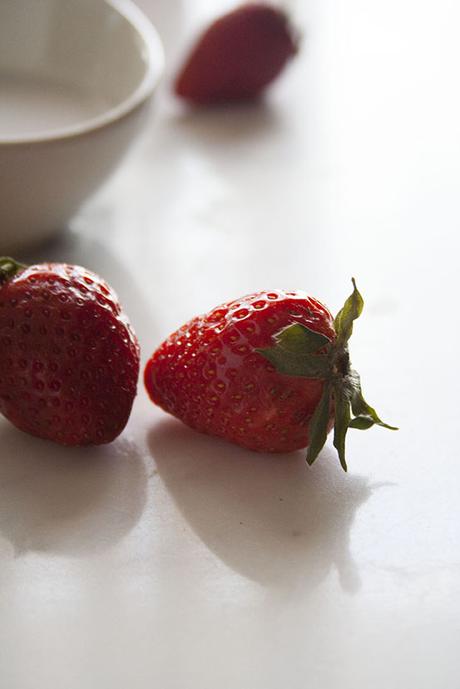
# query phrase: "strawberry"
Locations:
[[270, 371], [238, 55], [69, 361]]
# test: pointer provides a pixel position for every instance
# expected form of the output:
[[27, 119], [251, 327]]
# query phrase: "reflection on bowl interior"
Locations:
[[79, 60]]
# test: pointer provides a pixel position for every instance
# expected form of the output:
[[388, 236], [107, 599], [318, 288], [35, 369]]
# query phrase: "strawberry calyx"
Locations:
[[300, 351], [9, 268]]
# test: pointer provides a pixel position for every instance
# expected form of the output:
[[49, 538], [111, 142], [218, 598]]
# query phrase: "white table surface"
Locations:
[[175, 561]]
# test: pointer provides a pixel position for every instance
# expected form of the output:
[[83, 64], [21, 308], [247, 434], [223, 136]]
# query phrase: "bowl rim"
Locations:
[[154, 59]]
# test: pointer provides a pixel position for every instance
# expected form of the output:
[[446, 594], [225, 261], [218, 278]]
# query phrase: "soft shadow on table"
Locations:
[[268, 517], [67, 501], [226, 126]]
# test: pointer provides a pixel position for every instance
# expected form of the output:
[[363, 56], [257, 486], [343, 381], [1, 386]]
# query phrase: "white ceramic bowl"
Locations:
[[76, 77]]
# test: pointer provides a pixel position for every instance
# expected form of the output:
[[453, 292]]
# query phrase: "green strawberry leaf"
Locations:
[[299, 351], [310, 366], [364, 413], [8, 268], [318, 425], [299, 339], [293, 352], [342, 421], [351, 310], [362, 423]]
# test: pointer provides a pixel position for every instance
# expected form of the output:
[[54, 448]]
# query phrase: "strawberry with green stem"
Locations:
[[270, 372], [300, 351], [69, 360]]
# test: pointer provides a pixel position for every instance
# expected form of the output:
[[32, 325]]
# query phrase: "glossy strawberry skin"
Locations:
[[69, 361], [209, 374], [238, 56]]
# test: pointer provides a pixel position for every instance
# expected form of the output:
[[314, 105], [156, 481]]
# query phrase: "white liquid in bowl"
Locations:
[[30, 107]]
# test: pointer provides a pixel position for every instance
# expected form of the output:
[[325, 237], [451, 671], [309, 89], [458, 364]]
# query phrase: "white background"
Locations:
[[175, 561]]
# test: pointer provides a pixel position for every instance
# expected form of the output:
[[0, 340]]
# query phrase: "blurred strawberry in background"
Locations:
[[238, 56]]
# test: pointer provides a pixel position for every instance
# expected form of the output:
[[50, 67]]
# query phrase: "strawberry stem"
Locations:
[[9, 268], [299, 351]]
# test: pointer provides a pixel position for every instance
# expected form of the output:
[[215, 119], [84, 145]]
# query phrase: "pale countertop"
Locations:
[[171, 560]]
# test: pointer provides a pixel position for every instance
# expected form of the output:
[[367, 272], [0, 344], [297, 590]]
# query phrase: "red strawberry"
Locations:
[[238, 56], [69, 361], [269, 371]]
